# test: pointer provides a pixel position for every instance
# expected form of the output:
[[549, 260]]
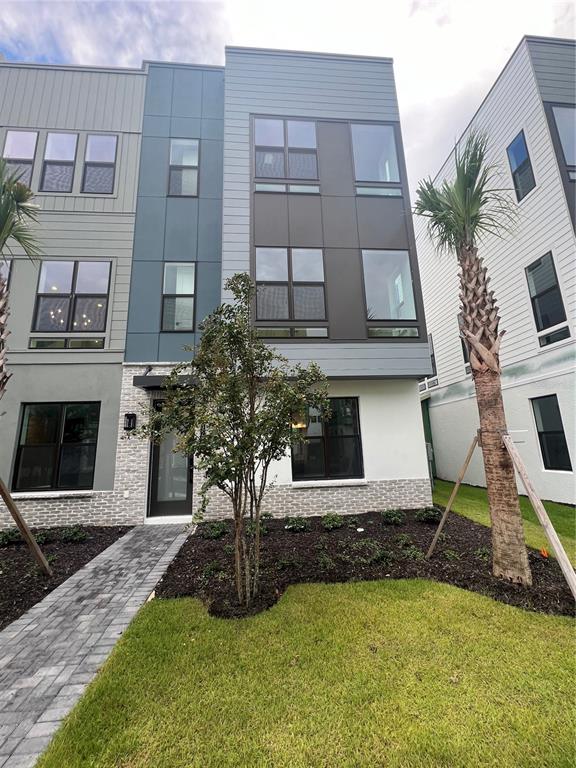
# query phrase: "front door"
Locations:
[[170, 481]]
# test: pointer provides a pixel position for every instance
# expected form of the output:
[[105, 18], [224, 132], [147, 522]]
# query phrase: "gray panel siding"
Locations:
[[554, 64], [362, 360]]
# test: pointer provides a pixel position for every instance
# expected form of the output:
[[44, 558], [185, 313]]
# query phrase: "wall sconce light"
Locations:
[[129, 422]]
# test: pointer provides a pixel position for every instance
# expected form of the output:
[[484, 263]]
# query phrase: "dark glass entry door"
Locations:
[[170, 481]]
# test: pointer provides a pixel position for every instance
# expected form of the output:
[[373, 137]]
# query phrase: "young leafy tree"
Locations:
[[461, 212], [231, 408]]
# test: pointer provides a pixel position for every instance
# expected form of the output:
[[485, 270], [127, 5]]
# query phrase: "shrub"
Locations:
[[369, 552], [325, 562], [73, 533], [392, 516], [213, 530], [288, 561], [451, 554], [214, 568], [412, 552], [11, 536], [331, 521], [296, 524], [428, 515], [403, 540], [352, 522], [482, 553]]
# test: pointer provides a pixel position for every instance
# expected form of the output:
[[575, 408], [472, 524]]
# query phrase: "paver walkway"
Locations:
[[50, 654]]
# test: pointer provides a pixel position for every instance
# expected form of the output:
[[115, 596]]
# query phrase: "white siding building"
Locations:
[[529, 116]]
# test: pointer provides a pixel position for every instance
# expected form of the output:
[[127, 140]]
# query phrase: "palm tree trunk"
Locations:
[[4, 375], [479, 324]]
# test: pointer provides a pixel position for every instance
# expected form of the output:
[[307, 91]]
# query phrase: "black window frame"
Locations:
[[72, 297], [178, 167], [21, 161], [570, 168], [390, 321], [466, 356], [93, 164], [54, 486], [326, 440], [178, 296], [290, 284], [66, 163], [395, 188], [542, 435], [285, 149], [547, 331], [520, 169]]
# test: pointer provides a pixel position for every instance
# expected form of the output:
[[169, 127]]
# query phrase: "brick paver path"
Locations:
[[50, 654]]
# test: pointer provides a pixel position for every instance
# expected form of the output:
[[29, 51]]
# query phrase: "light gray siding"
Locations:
[[554, 64]]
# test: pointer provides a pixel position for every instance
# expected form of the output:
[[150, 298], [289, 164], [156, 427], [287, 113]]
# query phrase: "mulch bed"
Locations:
[[204, 567], [67, 549]]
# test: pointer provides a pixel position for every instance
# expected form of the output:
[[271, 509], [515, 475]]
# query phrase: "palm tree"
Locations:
[[461, 212], [17, 213]]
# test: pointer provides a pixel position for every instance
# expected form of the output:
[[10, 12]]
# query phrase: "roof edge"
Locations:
[[307, 54]]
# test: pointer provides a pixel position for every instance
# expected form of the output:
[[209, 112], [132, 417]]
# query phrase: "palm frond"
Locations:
[[17, 214], [471, 205]]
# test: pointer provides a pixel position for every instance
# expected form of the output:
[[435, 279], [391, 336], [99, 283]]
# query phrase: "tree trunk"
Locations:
[[479, 325], [509, 556]]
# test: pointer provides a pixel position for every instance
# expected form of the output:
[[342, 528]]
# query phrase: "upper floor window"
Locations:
[[5, 265], [388, 285], [285, 149], [375, 156], [178, 297], [183, 177], [19, 151], [290, 284], [565, 118], [551, 435], [547, 305], [57, 446], [521, 167], [72, 296], [58, 166], [466, 356], [332, 449], [99, 164]]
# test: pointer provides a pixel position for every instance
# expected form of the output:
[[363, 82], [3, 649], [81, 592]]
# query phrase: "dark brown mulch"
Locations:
[[67, 549], [204, 567]]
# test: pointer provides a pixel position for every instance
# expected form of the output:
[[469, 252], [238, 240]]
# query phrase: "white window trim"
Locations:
[[329, 483]]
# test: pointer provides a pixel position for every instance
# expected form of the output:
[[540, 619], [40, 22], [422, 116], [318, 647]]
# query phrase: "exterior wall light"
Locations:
[[129, 422]]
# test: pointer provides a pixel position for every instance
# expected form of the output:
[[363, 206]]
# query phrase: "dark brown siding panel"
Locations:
[[271, 219], [305, 216], [335, 159], [339, 220], [344, 294], [382, 223]]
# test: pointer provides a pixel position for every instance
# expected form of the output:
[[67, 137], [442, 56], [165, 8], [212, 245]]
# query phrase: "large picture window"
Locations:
[[57, 446], [178, 297], [388, 285], [290, 284], [332, 449], [285, 149], [99, 164], [72, 296], [183, 176], [551, 435], [19, 151], [546, 299], [375, 156], [521, 167], [58, 166]]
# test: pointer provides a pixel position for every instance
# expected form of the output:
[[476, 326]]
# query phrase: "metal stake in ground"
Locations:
[[24, 530], [444, 517]]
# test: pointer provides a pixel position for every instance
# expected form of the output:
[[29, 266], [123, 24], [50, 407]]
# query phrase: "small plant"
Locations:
[[451, 554], [251, 528], [284, 563], [412, 552], [428, 515], [482, 553], [296, 524], [266, 516], [369, 552], [214, 530], [331, 521], [352, 522], [73, 533], [325, 562], [403, 540], [392, 516], [11, 536], [212, 569], [228, 549]]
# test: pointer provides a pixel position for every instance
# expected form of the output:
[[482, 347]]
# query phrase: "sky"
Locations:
[[447, 53]]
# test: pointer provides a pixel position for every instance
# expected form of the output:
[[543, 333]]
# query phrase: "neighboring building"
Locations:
[[288, 166], [530, 118]]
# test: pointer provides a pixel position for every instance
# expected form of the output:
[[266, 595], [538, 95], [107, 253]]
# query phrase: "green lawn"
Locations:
[[472, 502], [401, 674]]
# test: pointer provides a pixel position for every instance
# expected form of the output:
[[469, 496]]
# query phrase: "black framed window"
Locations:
[[72, 296], [57, 446], [183, 174], [466, 356], [285, 149], [59, 159], [178, 297], [99, 164], [5, 265], [546, 299], [521, 167], [290, 284], [332, 449], [388, 285], [565, 119], [375, 155], [19, 152], [551, 437]]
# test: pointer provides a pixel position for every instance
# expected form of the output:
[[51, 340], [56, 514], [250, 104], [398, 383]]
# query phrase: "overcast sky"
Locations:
[[447, 53]]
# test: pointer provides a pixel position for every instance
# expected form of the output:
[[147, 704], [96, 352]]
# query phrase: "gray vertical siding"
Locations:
[[180, 102], [554, 64]]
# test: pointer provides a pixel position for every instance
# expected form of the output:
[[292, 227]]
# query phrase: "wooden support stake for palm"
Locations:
[[452, 497], [542, 515], [24, 530]]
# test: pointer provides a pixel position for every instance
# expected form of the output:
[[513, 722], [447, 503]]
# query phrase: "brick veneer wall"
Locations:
[[126, 503]]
